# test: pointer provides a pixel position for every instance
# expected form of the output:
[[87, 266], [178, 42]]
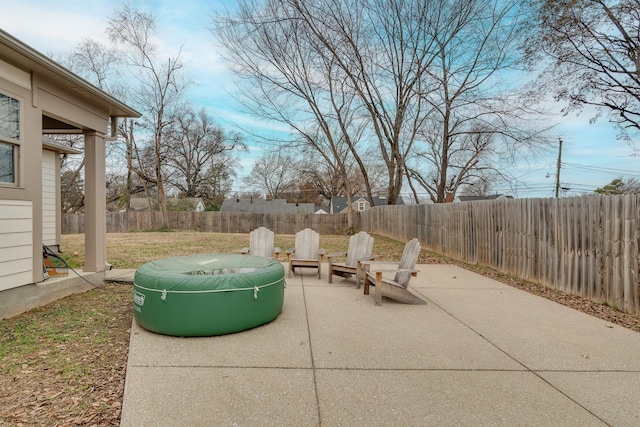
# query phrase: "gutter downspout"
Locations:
[[114, 129]]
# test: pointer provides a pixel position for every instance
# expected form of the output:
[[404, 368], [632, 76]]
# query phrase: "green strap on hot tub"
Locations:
[[207, 291]]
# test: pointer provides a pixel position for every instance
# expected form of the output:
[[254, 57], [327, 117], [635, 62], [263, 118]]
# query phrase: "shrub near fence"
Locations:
[[585, 246]]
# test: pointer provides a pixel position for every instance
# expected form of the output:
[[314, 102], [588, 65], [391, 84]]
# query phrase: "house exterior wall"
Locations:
[[24, 195], [50, 99], [59, 103], [16, 219], [36, 171], [358, 205], [50, 218]]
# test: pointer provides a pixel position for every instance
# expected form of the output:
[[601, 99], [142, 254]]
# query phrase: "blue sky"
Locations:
[[592, 155]]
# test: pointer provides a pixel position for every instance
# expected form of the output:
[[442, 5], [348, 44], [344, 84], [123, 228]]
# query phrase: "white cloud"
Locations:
[[55, 29]]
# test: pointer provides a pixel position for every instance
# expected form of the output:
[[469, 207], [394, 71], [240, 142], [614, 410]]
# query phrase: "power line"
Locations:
[[602, 170]]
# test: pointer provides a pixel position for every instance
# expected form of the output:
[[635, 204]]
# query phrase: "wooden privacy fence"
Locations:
[[585, 246], [215, 222]]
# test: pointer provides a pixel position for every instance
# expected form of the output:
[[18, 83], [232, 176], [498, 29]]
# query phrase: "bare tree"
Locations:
[[292, 83], [383, 48], [325, 181], [200, 150], [481, 185], [591, 49], [328, 181], [356, 66], [100, 65], [72, 192], [159, 92], [217, 182], [97, 63], [274, 173], [126, 132], [475, 121]]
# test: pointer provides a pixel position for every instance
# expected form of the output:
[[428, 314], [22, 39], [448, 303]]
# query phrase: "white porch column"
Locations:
[[94, 202]]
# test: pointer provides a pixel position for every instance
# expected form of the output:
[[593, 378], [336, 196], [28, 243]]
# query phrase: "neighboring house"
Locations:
[[192, 204], [322, 210], [266, 206], [40, 97], [136, 204], [141, 204], [339, 204], [477, 198]]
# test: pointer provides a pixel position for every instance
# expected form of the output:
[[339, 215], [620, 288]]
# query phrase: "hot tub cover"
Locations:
[[203, 295]]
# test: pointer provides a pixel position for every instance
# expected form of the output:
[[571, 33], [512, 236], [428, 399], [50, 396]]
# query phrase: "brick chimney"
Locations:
[[449, 198]]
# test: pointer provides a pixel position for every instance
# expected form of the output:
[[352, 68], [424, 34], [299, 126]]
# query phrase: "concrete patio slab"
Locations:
[[611, 395], [120, 275], [205, 396], [349, 331], [444, 398], [479, 353], [281, 343], [540, 334], [453, 277]]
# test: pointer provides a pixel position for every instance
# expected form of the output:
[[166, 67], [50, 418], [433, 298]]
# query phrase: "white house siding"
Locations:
[[49, 198], [16, 236]]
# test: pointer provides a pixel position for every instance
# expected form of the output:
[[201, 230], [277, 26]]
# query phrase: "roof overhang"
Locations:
[[23, 56], [53, 145]]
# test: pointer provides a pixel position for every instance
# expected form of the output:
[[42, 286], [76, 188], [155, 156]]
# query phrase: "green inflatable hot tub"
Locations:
[[205, 295]]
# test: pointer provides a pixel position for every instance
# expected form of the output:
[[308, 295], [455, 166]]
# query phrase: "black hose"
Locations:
[[47, 252]]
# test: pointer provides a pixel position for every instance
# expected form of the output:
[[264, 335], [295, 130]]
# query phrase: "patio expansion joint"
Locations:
[[536, 373], [346, 369], [313, 365], [280, 368], [422, 369]]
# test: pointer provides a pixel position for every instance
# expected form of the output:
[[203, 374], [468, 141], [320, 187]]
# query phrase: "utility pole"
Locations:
[[558, 168]]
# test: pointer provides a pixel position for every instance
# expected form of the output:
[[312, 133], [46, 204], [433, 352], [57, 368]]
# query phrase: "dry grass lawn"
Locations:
[[130, 250]]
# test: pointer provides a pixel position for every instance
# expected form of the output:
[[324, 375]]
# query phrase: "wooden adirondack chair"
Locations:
[[398, 288], [307, 252], [261, 244], [360, 247]]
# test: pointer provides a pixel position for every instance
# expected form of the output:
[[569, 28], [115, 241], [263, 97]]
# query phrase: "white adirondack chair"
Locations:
[[360, 247], [261, 244], [307, 252], [398, 287]]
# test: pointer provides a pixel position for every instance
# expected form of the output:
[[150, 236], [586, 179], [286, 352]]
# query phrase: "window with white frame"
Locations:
[[9, 138], [361, 206]]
